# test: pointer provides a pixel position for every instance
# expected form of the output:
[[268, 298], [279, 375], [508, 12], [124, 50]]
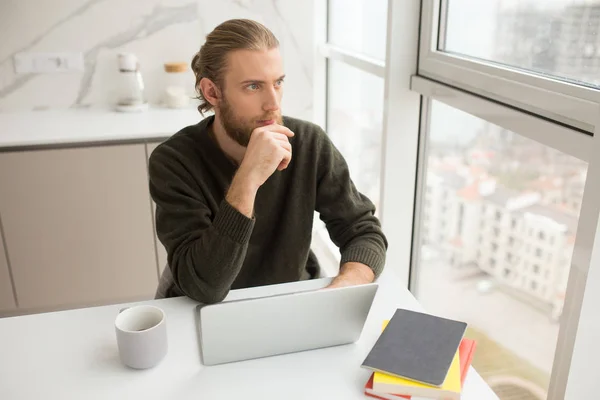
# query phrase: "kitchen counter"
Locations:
[[22, 130]]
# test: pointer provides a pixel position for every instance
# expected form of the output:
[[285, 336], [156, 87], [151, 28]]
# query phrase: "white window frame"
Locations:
[[541, 109], [572, 377], [566, 103], [401, 116], [400, 147], [363, 62], [562, 138], [326, 51]]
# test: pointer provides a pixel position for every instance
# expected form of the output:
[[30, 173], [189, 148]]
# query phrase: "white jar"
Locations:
[[176, 93]]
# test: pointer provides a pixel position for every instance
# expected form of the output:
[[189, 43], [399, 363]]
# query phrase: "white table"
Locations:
[[73, 355]]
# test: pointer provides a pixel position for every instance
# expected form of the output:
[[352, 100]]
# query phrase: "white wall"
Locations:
[[157, 31]]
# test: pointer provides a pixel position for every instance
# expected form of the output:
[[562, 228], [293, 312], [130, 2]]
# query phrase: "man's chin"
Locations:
[[240, 138]]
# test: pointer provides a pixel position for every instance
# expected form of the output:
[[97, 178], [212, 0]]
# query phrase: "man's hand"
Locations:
[[269, 149], [352, 273]]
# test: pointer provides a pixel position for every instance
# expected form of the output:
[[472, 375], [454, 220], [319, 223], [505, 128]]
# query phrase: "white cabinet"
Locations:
[[161, 253], [78, 225], [7, 299]]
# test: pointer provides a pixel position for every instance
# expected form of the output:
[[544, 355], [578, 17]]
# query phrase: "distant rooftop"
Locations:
[[502, 195], [561, 217]]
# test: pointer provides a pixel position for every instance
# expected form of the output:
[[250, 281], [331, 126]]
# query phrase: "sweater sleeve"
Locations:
[[347, 213], [205, 252]]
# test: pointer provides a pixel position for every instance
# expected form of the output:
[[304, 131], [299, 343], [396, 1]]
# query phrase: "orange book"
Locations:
[[465, 354]]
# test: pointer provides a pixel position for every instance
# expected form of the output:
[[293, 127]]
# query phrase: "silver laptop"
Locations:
[[294, 317]]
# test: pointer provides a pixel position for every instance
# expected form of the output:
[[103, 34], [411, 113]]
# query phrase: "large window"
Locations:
[[359, 26], [538, 56], [559, 38], [354, 123], [354, 55], [511, 107], [485, 175], [352, 61], [487, 189]]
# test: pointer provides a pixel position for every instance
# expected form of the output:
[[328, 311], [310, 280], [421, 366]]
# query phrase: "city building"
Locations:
[[523, 239]]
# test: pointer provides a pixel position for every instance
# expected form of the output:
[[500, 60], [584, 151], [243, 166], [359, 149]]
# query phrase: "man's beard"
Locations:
[[239, 128]]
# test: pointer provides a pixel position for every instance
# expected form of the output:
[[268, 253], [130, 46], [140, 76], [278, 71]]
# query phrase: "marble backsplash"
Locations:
[[157, 31]]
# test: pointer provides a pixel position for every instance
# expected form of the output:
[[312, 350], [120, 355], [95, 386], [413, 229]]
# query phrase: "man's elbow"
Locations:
[[212, 297], [203, 292], [197, 287]]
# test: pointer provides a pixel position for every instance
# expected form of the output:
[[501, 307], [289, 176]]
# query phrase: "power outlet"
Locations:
[[41, 63]]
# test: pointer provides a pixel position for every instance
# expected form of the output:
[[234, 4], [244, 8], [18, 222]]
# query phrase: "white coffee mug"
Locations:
[[141, 336]]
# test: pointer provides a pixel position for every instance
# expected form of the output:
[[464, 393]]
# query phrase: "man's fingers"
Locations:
[[287, 157], [280, 137], [279, 129], [286, 145]]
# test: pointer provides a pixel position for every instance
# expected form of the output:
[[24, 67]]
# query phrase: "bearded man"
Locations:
[[236, 193]]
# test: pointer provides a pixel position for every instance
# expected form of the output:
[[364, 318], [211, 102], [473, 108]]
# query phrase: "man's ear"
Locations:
[[210, 91]]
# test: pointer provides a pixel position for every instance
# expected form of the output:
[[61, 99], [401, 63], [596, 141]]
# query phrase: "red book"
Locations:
[[465, 354]]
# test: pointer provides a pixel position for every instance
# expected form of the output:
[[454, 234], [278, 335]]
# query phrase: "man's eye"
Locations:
[[279, 82], [252, 86]]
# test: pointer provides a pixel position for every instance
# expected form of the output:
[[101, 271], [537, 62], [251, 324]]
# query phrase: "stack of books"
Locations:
[[419, 355]]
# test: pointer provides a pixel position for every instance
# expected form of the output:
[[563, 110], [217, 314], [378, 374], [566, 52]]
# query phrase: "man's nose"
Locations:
[[271, 100]]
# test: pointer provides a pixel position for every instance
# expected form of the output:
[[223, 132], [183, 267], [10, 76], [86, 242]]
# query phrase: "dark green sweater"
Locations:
[[213, 248]]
